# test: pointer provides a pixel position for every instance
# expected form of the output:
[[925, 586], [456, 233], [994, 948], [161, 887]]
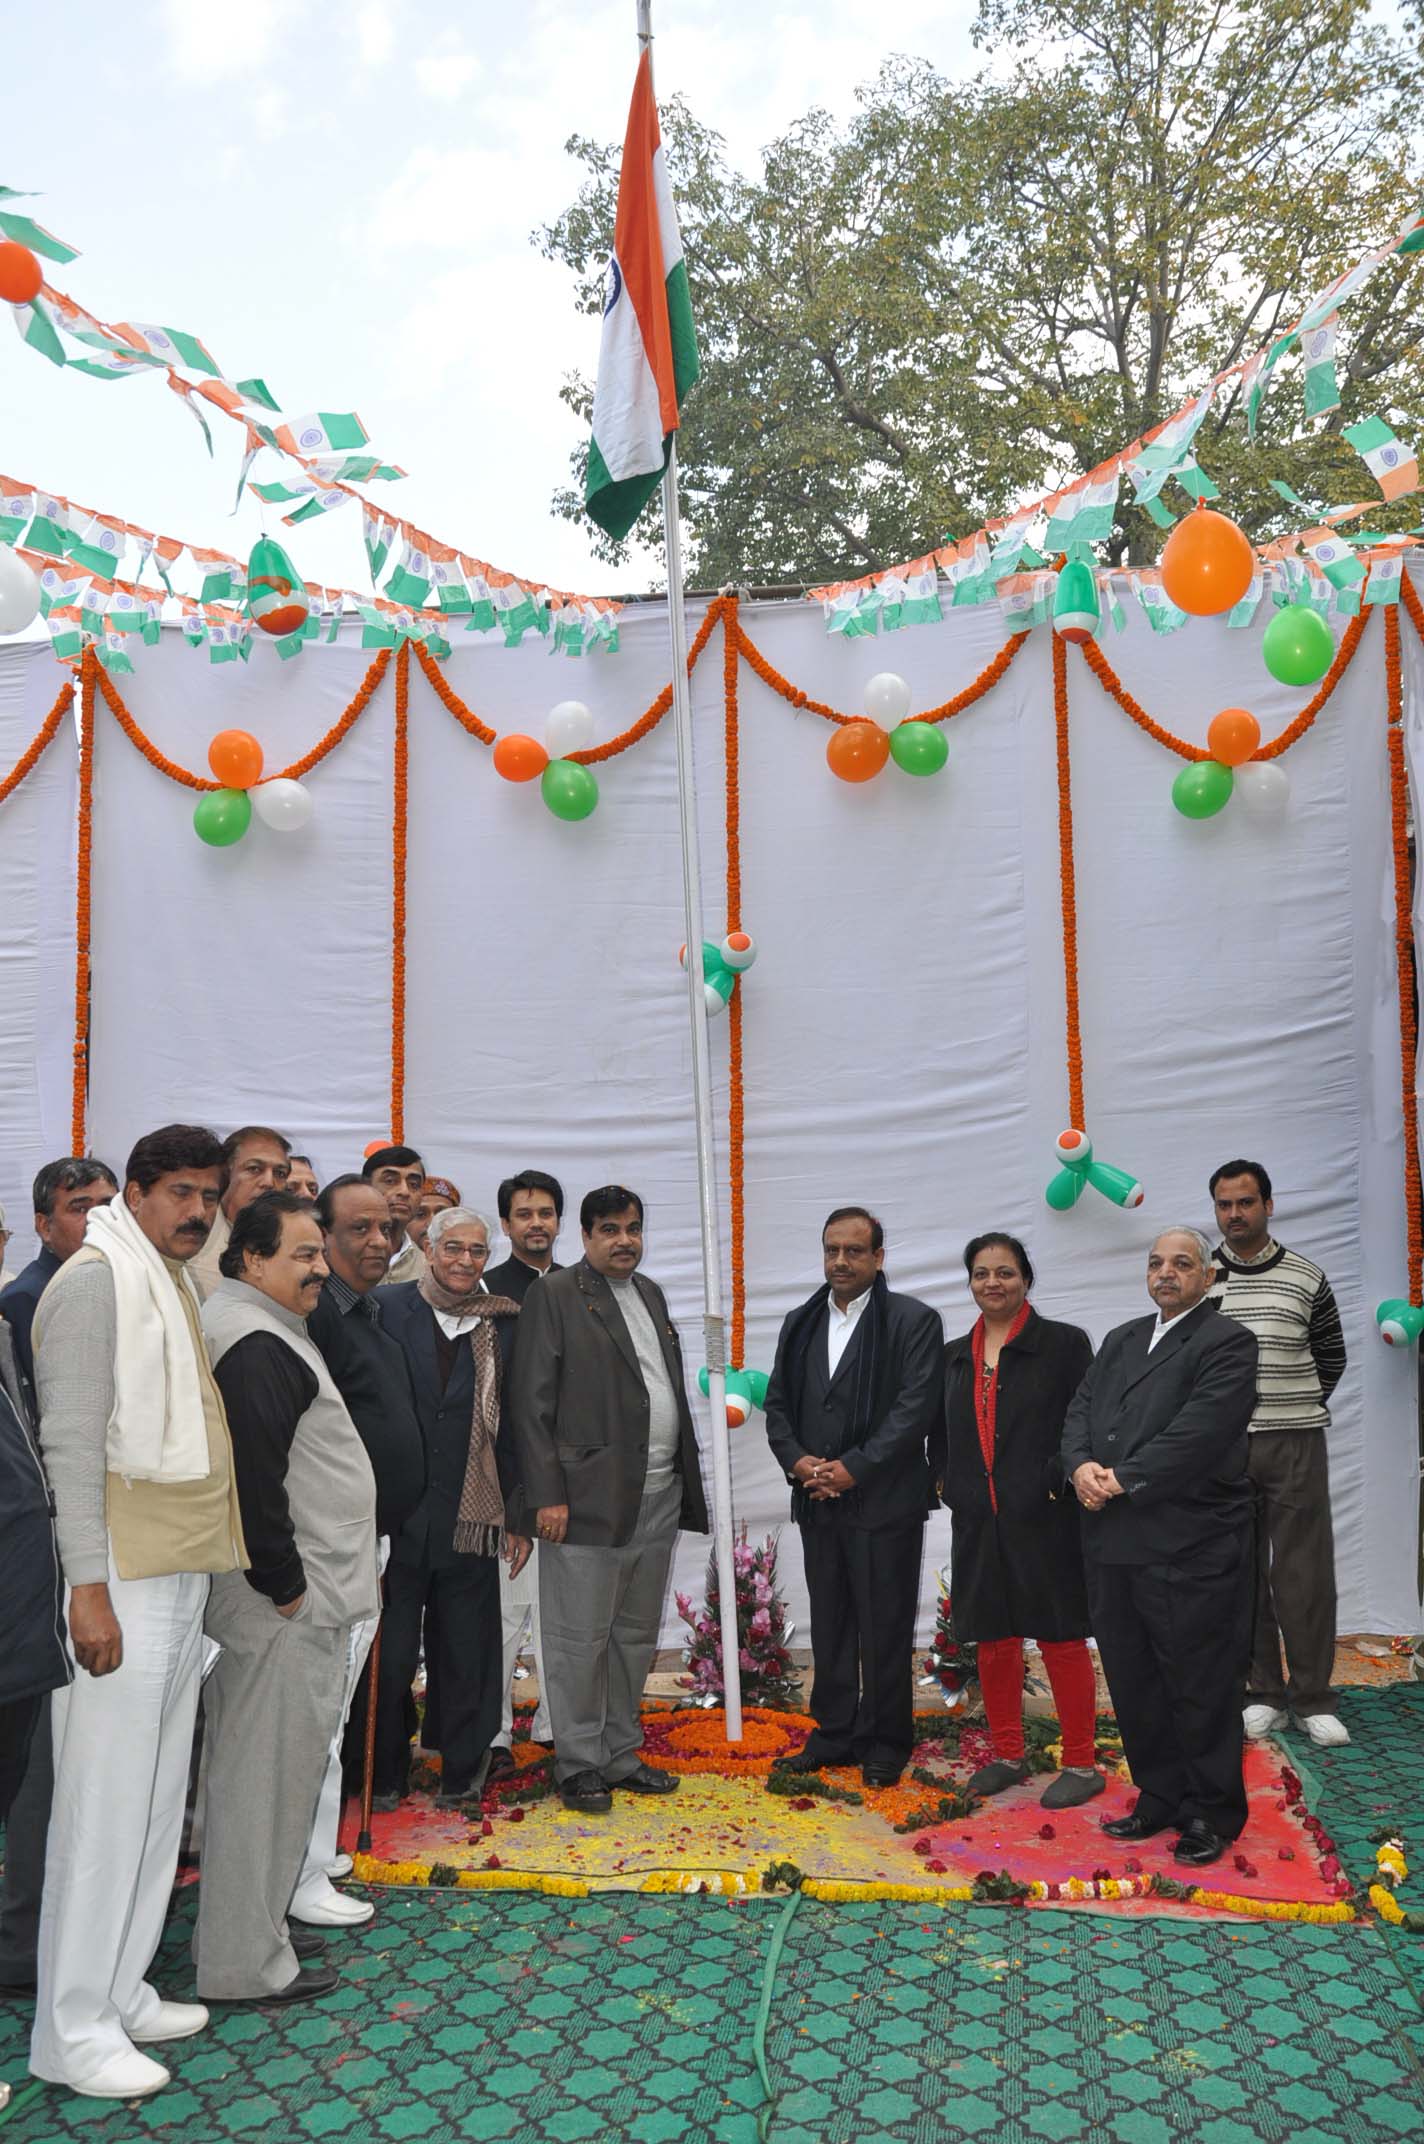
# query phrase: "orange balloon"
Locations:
[[857, 750], [518, 758], [235, 757], [1233, 736], [20, 273], [1207, 563]]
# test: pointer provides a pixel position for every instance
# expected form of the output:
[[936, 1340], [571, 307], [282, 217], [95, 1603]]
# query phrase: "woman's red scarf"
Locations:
[[986, 1392]]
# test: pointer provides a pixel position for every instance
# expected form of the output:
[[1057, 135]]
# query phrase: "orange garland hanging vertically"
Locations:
[[79, 1099]]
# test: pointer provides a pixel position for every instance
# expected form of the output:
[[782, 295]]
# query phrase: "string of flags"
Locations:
[[1008, 561], [324, 455]]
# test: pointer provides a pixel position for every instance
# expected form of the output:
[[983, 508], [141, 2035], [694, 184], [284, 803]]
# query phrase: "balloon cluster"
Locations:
[[1207, 785], [746, 1389], [566, 785], [19, 593], [721, 965], [276, 598], [222, 816], [1400, 1323], [858, 750], [1075, 1152]]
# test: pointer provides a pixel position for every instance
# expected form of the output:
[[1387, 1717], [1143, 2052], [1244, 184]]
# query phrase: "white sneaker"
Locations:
[[4, 2096], [341, 1866], [171, 2021], [1260, 1721], [1326, 1729], [315, 1907], [131, 2076]]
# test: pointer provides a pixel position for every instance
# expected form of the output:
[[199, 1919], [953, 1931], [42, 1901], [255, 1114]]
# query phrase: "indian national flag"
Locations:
[[648, 358]]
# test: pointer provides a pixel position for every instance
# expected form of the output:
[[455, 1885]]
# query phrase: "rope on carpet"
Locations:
[[767, 2111]]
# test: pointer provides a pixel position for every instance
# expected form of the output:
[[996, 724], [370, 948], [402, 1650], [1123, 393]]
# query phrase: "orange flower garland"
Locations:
[[446, 694], [400, 788], [696, 1741], [47, 731], [79, 1096], [987, 679], [1113, 686], [1404, 944]]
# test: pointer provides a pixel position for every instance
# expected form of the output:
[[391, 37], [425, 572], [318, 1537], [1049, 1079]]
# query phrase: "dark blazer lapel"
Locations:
[[1172, 1341], [604, 1305]]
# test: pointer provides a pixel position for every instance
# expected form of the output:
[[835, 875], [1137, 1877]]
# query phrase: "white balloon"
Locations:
[[1263, 787], [19, 593], [887, 699], [568, 729], [282, 804]]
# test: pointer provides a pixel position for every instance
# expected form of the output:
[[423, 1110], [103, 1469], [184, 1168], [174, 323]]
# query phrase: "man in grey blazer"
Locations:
[[608, 1461], [274, 1701], [1154, 1443]]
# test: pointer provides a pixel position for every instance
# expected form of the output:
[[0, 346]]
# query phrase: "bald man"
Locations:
[[1155, 1445]]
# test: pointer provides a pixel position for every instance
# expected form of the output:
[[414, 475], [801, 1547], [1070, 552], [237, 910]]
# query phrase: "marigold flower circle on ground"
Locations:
[[696, 1741]]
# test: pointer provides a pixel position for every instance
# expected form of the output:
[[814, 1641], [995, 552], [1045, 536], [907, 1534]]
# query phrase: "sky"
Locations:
[[337, 196]]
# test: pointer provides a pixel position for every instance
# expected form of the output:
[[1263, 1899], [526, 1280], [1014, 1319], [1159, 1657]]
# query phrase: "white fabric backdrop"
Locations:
[[904, 1022]]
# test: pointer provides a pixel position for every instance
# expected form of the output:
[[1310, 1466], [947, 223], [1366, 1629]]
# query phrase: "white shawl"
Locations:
[[156, 1431]]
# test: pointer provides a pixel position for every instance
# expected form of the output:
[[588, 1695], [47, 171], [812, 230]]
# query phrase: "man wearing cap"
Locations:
[[438, 1196], [398, 1173]]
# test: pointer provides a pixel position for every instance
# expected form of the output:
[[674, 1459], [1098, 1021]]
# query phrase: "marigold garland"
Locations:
[[400, 794], [367, 1868], [44, 736], [1113, 686], [188, 780], [1068, 886], [447, 696], [83, 914], [1404, 946], [984, 683], [596, 753]]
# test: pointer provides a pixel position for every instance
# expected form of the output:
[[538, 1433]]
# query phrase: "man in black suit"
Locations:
[[608, 1461], [1155, 1445], [444, 1567], [531, 1212], [854, 1395]]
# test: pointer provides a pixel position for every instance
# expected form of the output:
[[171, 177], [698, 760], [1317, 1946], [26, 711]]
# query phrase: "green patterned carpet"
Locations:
[[509, 2016]]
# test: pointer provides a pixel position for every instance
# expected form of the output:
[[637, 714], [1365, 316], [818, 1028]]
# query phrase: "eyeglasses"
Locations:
[[460, 1254]]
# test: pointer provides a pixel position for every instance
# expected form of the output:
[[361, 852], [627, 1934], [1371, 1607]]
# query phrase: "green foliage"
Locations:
[[975, 291]]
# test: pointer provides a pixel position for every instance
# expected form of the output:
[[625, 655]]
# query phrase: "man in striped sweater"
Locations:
[[1288, 1304]]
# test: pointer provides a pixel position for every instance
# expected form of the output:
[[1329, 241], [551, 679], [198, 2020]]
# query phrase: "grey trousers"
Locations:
[[1295, 1572], [600, 1609], [272, 1705], [26, 1829]]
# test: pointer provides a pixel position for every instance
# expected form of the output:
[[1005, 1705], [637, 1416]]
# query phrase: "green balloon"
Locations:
[[1202, 789], [1298, 646], [918, 747], [568, 789], [758, 1381], [222, 816], [1065, 1190]]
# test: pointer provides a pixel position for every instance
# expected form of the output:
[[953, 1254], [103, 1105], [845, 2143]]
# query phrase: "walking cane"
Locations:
[[368, 1776]]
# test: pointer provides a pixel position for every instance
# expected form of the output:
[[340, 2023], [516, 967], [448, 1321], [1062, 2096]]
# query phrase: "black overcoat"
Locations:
[[1017, 1572]]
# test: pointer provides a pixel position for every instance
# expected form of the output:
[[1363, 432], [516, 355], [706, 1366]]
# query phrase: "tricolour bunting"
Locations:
[[648, 357]]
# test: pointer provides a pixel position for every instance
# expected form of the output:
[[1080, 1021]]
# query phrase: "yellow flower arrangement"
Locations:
[[1386, 1905], [1391, 1862]]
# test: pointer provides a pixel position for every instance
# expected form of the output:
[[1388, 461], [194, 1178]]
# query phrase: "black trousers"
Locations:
[[864, 1586], [1295, 1571], [18, 1721], [26, 1830], [1174, 1639], [458, 1606]]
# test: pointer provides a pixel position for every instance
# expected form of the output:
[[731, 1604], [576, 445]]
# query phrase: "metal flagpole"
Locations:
[[714, 1326]]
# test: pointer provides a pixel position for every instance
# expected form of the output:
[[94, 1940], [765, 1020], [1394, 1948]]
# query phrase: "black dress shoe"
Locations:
[[806, 1761], [881, 1775], [645, 1781], [501, 1764], [306, 1942], [383, 1804], [302, 1988], [454, 1797], [1199, 1844], [1133, 1826], [586, 1793]]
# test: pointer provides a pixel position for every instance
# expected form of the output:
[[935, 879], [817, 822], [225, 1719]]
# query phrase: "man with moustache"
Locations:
[[64, 1191], [136, 1446], [1155, 1445], [437, 1195], [257, 1159], [531, 1210], [301, 1178], [855, 1394], [398, 1173], [608, 1460], [274, 1700]]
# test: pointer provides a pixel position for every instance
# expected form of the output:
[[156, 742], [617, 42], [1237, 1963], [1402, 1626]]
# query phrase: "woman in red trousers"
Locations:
[[1017, 1564]]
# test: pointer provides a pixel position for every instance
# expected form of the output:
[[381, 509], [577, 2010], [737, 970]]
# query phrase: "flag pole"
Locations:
[[714, 1325]]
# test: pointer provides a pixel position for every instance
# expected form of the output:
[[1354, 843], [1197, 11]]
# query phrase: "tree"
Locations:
[[973, 292]]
